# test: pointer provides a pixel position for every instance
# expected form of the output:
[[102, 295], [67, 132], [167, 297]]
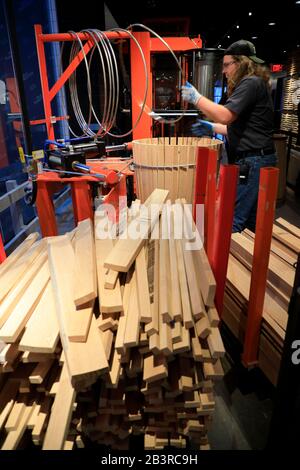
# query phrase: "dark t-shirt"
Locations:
[[253, 127]]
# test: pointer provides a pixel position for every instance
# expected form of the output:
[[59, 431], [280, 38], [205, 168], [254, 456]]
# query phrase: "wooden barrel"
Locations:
[[168, 163]]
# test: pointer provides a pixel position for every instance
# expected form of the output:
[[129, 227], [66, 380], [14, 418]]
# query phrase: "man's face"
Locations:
[[229, 66]]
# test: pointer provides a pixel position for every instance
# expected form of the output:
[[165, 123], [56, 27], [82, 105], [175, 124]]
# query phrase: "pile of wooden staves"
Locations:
[[104, 339], [284, 248]]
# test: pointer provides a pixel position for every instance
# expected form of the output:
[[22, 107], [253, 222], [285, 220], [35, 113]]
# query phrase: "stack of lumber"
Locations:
[[281, 273], [104, 339]]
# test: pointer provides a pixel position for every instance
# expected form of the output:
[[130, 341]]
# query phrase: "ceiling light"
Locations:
[[298, 2], [228, 36], [254, 37], [272, 24], [237, 26], [250, 13]]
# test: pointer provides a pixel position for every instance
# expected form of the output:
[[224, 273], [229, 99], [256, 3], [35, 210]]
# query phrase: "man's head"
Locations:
[[245, 48], [240, 54]]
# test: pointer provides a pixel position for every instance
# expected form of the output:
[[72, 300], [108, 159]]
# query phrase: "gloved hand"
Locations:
[[190, 94], [201, 128]]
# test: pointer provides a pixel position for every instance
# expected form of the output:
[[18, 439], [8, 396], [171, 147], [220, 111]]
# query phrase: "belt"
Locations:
[[254, 152]]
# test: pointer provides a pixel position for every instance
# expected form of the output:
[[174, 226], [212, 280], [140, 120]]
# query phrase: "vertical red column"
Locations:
[[2, 251], [45, 209], [82, 203], [44, 80], [268, 183], [138, 82], [225, 203], [210, 202]]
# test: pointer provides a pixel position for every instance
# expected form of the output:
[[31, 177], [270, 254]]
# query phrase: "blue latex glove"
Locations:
[[190, 94], [201, 128]]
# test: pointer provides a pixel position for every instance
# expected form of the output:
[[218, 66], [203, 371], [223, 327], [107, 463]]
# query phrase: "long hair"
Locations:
[[246, 68]]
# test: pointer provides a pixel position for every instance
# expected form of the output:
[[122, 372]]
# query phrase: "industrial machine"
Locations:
[[69, 161]]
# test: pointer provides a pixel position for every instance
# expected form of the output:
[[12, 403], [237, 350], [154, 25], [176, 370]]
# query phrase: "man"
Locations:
[[247, 121]]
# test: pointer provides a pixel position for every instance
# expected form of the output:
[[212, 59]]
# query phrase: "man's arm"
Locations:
[[215, 112]]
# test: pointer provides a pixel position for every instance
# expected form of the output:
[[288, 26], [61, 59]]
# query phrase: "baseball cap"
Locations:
[[244, 47]]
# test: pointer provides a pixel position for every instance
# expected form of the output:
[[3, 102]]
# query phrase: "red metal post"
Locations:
[[45, 209], [44, 80], [224, 211], [210, 202], [81, 199], [2, 251], [200, 188], [268, 183], [138, 86]]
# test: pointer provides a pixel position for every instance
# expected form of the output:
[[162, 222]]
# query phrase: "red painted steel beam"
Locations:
[[176, 44], [210, 202], [143, 130], [200, 187], [70, 69], [60, 37], [268, 183], [2, 251], [44, 81], [224, 211]]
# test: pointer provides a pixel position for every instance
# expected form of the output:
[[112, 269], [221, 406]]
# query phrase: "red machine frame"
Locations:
[[48, 184]]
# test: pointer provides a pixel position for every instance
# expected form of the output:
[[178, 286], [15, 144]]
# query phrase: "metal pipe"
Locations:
[[83, 36]]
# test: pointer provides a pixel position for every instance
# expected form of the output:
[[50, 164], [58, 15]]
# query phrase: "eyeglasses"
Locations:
[[227, 64]]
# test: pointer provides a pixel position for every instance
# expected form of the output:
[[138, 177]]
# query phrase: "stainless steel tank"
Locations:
[[208, 72]]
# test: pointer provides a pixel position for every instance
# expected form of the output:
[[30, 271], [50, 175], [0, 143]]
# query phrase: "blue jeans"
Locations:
[[247, 191]]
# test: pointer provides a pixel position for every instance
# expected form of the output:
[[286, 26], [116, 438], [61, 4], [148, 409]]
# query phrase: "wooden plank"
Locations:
[[18, 318], [155, 368], [86, 361], [175, 310], [202, 327], [18, 252], [18, 270], [184, 291], [132, 329], [204, 274], [143, 287], [14, 437], [279, 272], [215, 343], [62, 269], [7, 400], [164, 268], [111, 278], [107, 340], [115, 369], [110, 299], [14, 296], [287, 238], [126, 250], [153, 277], [42, 331], [61, 413], [40, 371], [41, 420], [213, 316], [290, 227], [15, 414], [119, 342], [85, 264]]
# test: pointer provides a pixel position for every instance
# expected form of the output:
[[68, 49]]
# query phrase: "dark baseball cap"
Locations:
[[244, 47]]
